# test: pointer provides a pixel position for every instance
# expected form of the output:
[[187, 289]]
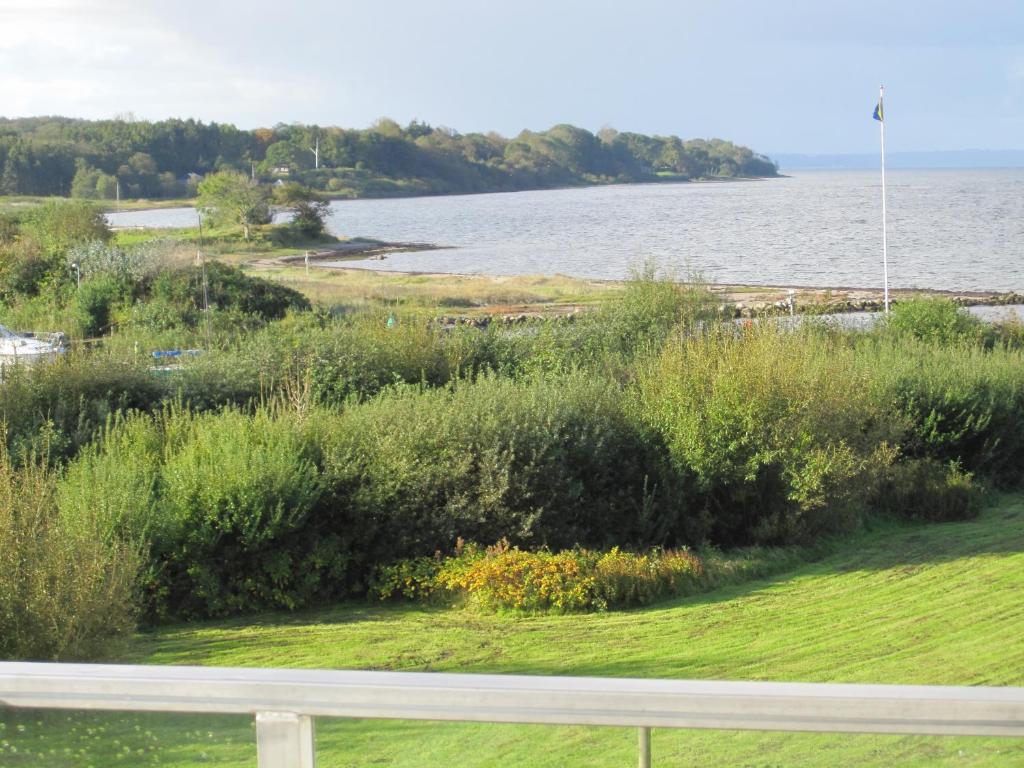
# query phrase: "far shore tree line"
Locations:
[[168, 159]]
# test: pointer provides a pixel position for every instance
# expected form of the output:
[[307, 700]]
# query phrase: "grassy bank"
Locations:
[[935, 604], [12, 203]]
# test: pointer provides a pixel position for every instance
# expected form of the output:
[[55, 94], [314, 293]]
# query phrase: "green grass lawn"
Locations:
[[935, 604]]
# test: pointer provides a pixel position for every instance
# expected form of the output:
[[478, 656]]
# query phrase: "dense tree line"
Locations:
[[89, 159]]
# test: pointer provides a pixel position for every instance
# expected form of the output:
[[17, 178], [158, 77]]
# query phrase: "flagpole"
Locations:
[[885, 240]]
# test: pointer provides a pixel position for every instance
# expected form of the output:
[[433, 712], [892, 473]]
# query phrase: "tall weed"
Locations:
[[65, 591]]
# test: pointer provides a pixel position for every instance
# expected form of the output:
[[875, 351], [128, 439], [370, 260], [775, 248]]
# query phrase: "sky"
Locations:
[[797, 76]]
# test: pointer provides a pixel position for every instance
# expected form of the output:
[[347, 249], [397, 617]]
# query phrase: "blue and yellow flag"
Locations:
[[879, 115]]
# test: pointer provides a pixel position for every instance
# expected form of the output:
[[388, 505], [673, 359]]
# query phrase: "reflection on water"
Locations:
[[948, 229]]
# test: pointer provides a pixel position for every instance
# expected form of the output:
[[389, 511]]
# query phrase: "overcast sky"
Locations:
[[780, 76]]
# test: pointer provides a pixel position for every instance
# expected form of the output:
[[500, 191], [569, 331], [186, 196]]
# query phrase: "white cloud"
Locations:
[[94, 59]]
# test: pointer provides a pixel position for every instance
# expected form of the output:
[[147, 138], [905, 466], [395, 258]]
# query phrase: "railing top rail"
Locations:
[[520, 699]]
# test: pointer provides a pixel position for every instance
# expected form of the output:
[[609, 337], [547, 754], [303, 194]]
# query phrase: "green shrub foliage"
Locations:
[[301, 450], [776, 430], [65, 591], [225, 501], [961, 404], [933, 320], [546, 462], [227, 288]]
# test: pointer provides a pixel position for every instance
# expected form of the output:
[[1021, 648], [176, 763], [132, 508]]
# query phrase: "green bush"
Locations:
[[111, 488], [71, 398], [225, 502], [625, 328], [1007, 332], [240, 490], [651, 306], [961, 404], [26, 270], [65, 592], [935, 320], [925, 489], [775, 429], [545, 462], [358, 356], [276, 510], [227, 288], [57, 225], [94, 302]]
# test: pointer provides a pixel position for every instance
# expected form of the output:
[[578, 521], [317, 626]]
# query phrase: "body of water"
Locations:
[[948, 229]]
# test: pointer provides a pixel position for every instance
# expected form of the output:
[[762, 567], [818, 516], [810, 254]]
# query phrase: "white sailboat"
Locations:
[[27, 349]]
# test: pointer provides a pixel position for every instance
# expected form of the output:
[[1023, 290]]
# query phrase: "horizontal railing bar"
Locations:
[[943, 710]]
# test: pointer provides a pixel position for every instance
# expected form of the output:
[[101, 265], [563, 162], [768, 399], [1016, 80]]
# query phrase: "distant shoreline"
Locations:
[[140, 205]]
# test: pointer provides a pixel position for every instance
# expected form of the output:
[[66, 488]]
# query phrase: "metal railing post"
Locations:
[[644, 735], [284, 740]]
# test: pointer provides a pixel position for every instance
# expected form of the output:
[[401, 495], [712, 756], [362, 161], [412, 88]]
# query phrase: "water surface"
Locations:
[[948, 229]]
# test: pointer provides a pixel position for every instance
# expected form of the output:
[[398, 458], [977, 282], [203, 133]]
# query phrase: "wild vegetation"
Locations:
[[90, 159], [307, 452]]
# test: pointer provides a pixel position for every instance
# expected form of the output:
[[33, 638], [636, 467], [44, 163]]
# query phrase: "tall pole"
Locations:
[[316, 153], [885, 239], [206, 286]]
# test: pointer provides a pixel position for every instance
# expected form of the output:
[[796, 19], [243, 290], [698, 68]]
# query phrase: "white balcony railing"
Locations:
[[285, 701]]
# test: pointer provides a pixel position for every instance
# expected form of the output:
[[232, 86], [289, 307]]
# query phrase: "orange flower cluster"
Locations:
[[503, 577]]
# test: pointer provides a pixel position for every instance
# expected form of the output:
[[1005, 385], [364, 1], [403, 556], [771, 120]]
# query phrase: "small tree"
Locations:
[[231, 198], [309, 211], [58, 225]]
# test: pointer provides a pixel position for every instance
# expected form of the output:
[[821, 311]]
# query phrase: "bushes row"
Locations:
[[283, 507], [760, 438], [329, 360], [264, 346], [756, 436]]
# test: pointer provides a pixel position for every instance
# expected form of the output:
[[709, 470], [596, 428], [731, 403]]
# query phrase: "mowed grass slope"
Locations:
[[936, 604]]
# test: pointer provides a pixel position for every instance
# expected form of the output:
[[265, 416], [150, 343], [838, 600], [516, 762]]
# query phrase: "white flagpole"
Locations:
[[885, 241]]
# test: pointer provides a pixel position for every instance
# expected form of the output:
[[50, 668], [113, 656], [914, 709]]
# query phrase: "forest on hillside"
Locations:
[[165, 159]]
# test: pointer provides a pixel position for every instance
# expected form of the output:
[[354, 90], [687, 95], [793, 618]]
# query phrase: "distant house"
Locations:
[[281, 170]]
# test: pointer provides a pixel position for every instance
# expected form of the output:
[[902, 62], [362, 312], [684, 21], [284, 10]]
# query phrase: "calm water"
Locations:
[[949, 229]]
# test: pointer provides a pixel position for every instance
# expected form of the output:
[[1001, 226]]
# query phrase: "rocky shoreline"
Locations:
[[737, 301], [848, 304]]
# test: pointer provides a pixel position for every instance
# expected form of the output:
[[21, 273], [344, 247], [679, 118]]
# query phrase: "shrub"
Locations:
[[111, 487], [544, 462], [240, 491], [651, 306], [925, 489], [363, 355], [573, 580], [127, 265], [71, 399], [59, 225], [224, 501], [94, 301], [625, 328], [25, 269], [227, 288], [1007, 332], [776, 429], [935, 320], [961, 404], [65, 592]]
